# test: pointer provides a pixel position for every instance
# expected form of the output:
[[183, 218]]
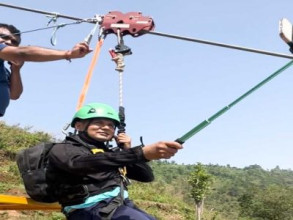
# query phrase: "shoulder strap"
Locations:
[[77, 140]]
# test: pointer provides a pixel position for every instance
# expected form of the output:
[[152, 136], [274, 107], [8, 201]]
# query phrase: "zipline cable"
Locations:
[[162, 34], [220, 44], [46, 13], [206, 122]]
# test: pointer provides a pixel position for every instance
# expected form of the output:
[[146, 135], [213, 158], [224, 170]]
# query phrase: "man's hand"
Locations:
[[78, 51], [16, 87], [15, 66], [161, 150]]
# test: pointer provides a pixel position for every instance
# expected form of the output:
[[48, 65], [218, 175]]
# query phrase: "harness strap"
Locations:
[[89, 74], [108, 211], [81, 192]]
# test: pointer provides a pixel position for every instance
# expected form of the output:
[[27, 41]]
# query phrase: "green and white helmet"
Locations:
[[96, 110]]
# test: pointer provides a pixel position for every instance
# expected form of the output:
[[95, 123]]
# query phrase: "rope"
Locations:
[[119, 60], [120, 89], [45, 28], [89, 74], [54, 36]]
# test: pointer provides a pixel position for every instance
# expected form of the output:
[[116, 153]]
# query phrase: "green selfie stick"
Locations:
[[206, 122]]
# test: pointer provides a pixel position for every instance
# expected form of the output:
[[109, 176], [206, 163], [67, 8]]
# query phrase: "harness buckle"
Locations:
[[123, 173]]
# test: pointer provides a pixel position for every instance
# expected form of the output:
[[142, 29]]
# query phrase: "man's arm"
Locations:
[[39, 54], [16, 87]]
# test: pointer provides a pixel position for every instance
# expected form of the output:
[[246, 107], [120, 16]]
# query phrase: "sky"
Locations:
[[170, 86]]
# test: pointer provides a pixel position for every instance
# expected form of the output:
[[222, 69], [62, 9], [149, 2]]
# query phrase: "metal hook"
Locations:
[[121, 47], [53, 18], [65, 128], [91, 34]]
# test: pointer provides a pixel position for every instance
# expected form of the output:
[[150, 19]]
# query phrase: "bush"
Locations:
[[13, 138]]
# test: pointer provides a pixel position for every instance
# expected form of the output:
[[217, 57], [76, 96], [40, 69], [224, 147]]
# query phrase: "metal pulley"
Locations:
[[131, 23]]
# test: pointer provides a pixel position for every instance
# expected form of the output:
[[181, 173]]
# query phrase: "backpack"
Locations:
[[32, 164]]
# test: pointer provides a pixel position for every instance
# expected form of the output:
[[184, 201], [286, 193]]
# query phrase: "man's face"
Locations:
[[8, 38], [99, 129]]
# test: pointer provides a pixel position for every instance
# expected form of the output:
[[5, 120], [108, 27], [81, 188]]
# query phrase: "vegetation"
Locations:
[[251, 193], [14, 138], [200, 182]]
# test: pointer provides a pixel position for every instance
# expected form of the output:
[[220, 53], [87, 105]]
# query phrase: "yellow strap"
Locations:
[[96, 150], [123, 171]]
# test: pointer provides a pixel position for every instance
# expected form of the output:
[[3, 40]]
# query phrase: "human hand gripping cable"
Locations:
[[78, 51]]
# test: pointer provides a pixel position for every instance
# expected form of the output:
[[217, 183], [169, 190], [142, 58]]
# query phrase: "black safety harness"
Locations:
[[72, 195]]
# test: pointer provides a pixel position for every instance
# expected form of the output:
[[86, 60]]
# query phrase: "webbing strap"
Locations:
[[89, 74]]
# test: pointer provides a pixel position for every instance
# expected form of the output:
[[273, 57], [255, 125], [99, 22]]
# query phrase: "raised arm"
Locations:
[[39, 54]]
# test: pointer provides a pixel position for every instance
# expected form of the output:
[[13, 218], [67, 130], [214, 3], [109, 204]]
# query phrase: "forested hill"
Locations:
[[249, 193], [236, 192]]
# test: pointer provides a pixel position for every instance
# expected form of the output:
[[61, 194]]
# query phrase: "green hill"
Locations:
[[251, 193]]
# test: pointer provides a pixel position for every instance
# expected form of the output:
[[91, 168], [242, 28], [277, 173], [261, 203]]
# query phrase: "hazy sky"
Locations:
[[170, 86]]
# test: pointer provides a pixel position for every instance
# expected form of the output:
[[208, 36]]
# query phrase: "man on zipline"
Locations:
[[89, 178], [10, 81]]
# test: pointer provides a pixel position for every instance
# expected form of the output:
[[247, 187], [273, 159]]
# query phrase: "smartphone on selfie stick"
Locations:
[[286, 32]]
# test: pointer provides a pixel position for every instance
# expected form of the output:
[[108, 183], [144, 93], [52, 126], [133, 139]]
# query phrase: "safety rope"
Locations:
[[120, 89], [90, 73], [119, 60]]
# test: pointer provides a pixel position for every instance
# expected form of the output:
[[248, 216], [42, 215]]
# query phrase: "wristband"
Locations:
[[67, 55]]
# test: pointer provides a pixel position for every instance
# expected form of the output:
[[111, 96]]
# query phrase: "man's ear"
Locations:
[[79, 126]]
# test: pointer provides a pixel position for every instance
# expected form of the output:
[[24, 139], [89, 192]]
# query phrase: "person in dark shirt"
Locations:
[[10, 81], [90, 178]]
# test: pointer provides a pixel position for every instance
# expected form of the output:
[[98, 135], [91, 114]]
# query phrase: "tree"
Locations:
[[200, 182], [272, 203]]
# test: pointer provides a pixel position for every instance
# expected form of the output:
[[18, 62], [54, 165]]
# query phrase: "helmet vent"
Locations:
[[92, 110]]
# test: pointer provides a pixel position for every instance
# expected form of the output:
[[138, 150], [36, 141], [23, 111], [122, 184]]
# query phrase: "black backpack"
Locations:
[[32, 164]]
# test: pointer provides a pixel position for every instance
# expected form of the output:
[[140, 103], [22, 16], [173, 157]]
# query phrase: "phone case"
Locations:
[[286, 31]]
